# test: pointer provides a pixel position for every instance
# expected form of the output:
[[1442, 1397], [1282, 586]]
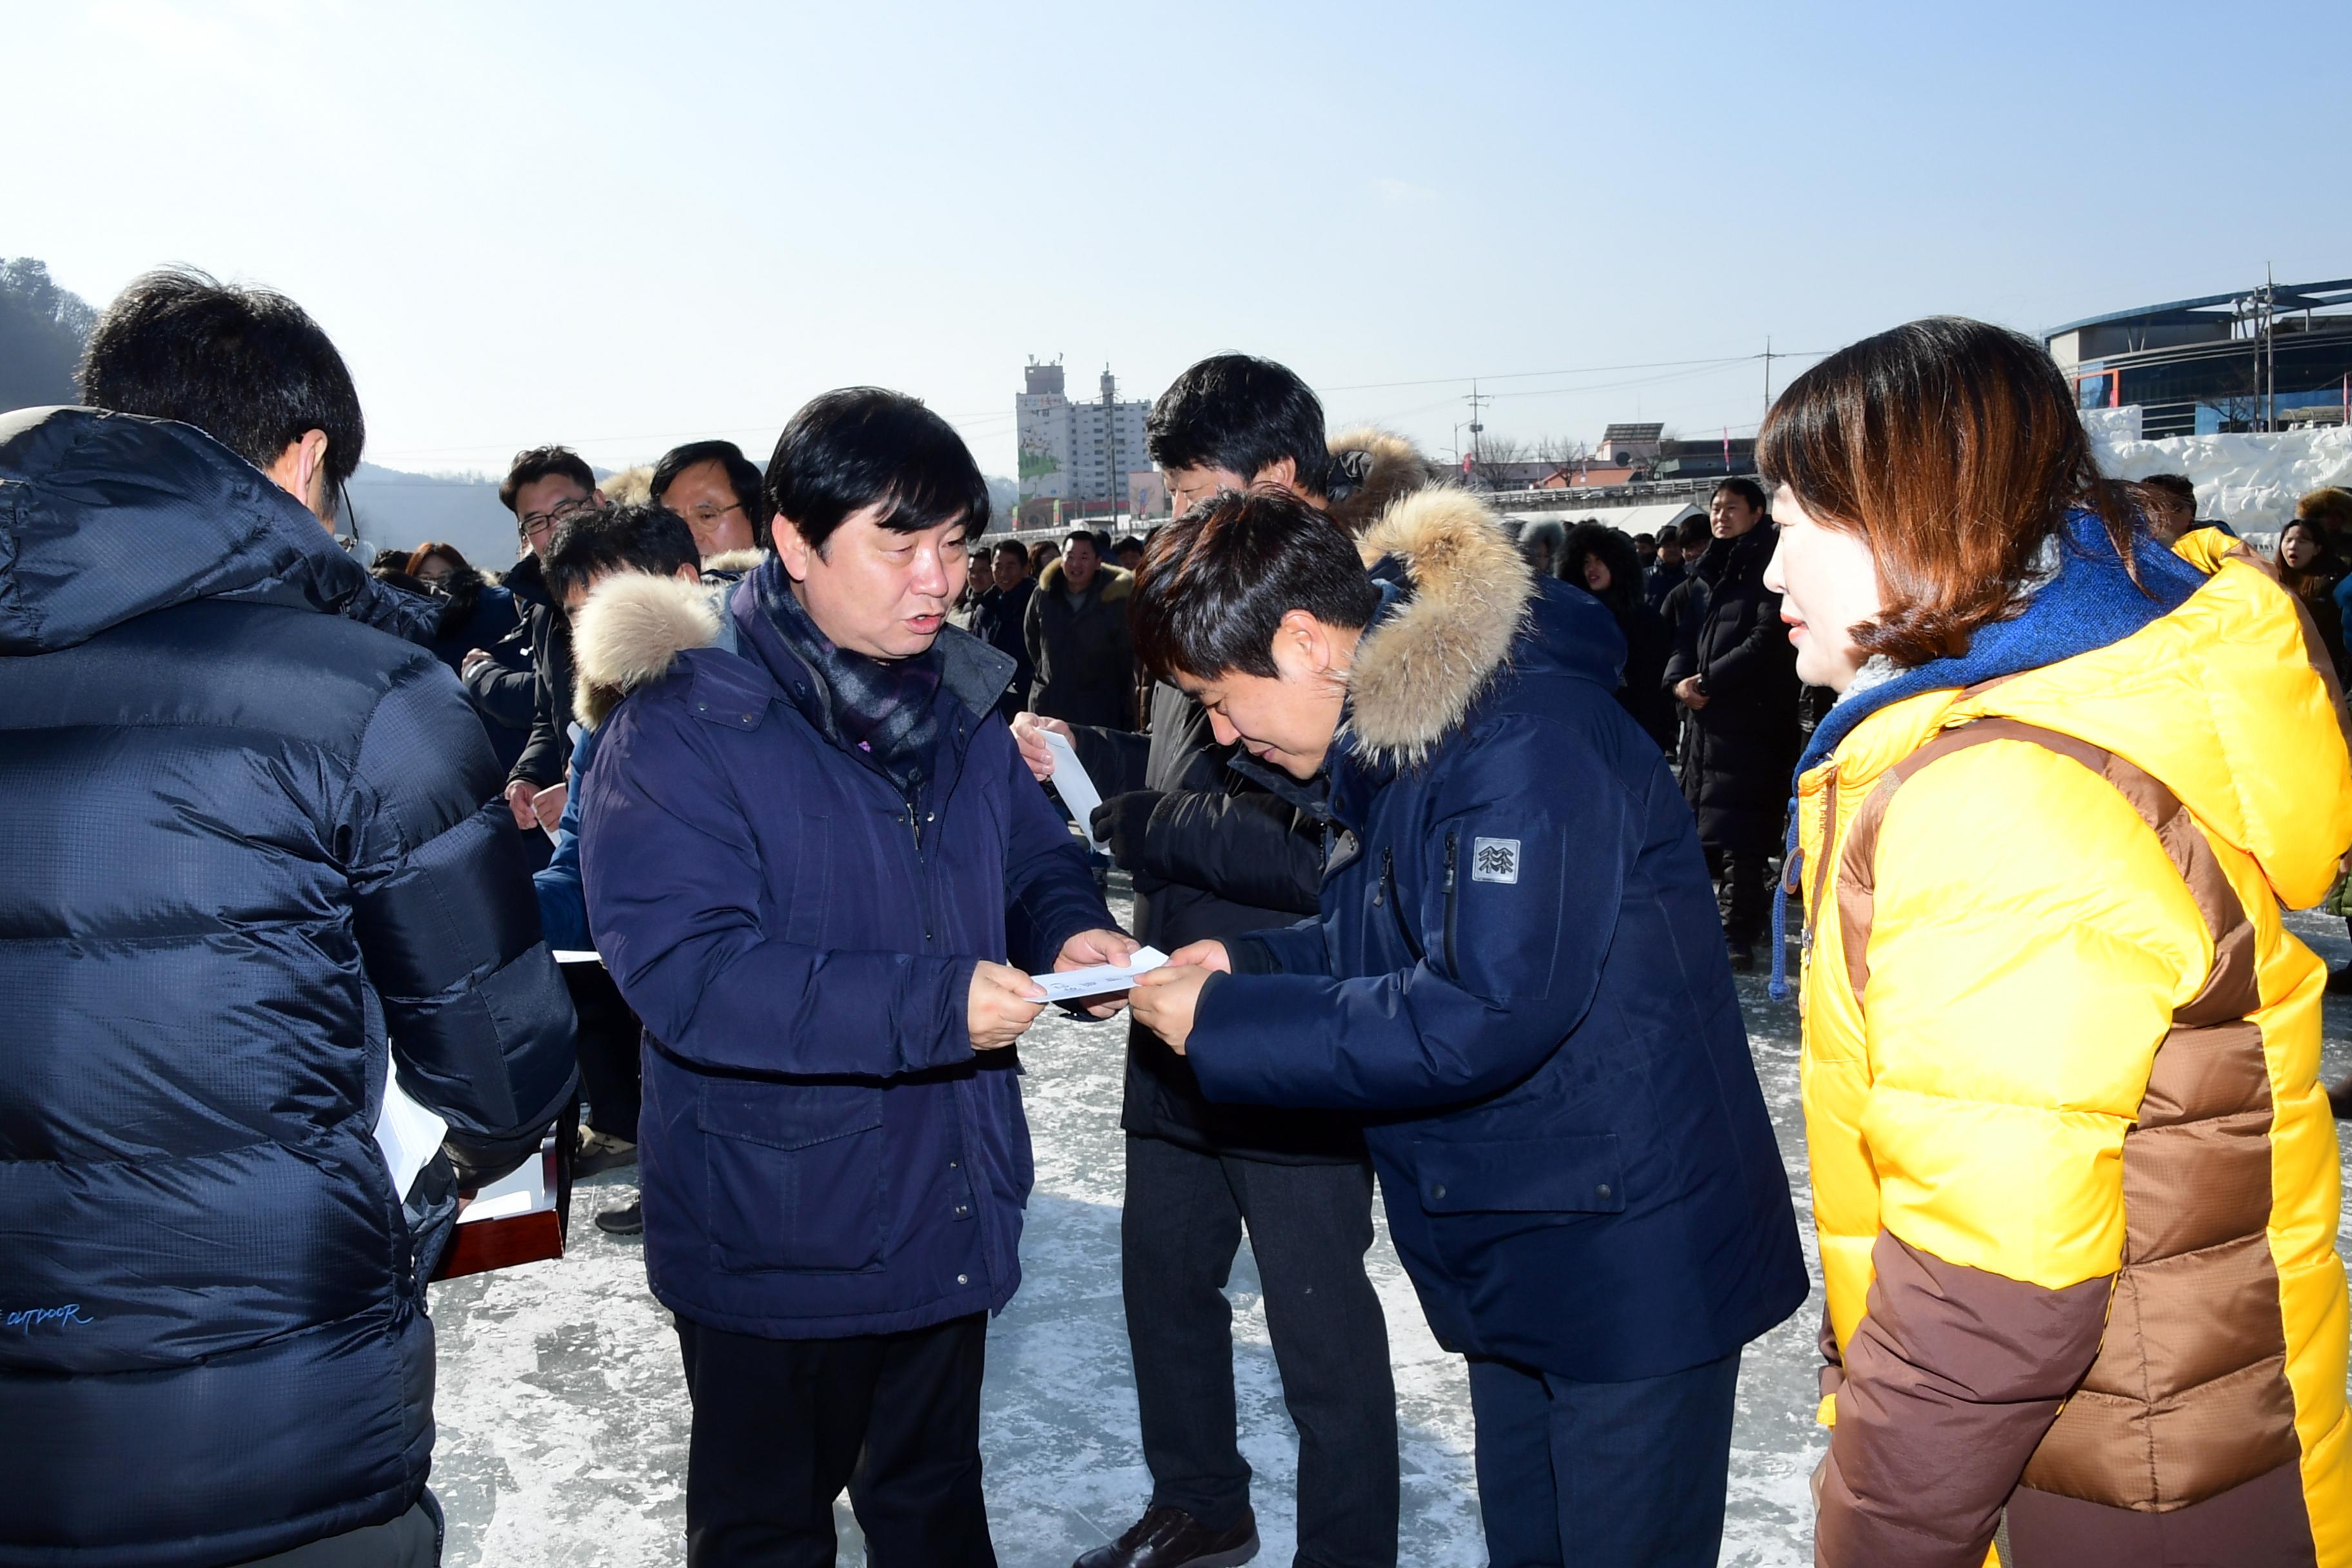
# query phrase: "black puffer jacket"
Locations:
[[547, 755], [1738, 752], [245, 840], [484, 616], [1217, 856], [1084, 660]]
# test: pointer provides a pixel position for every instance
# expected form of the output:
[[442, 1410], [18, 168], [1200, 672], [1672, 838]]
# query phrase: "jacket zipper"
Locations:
[[1825, 871], [1396, 906], [1453, 841]]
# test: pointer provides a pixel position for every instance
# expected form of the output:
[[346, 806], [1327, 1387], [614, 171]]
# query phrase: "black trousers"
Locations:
[[1742, 893], [609, 1063], [781, 1426], [1309, 1226]]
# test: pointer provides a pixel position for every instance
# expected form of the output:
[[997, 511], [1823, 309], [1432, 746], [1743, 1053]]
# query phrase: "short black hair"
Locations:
[[1747, 490], [540, 463], [862, 445], [1084, 536], [1215, 583], [639, 538], [1695, 533], [1243, 415], [247, 366], [2179, 486], [742, 477], [1123, 544]]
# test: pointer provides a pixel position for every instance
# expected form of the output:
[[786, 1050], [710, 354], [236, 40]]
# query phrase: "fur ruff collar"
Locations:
[[1371, 471], [631, 631], [1418, 671]]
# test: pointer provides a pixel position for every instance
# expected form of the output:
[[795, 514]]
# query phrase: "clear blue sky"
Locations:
[[622, 226]]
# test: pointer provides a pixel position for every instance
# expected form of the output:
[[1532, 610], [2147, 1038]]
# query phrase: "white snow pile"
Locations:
[[2252, 482]]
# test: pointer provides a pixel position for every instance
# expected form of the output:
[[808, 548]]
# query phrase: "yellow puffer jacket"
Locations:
[[2076, 1181]]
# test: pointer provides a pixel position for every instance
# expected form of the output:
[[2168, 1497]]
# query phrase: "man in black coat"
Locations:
[[1002, 620], [544, 486], [252, 859], [1735, 672], [1215, 851]]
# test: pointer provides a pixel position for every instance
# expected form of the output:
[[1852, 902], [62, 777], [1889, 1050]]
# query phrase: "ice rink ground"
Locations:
[[563, 1416]]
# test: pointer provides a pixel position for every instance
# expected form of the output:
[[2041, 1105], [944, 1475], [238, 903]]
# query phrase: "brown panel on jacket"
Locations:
[[1951, 1379], [2262, 1522]]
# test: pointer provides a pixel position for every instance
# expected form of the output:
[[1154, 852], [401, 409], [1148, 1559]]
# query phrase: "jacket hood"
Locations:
[[108, 517], [1117, 581], [1371, 471], [630, 632], [2220, 696], [734, 563], [1470, 604]]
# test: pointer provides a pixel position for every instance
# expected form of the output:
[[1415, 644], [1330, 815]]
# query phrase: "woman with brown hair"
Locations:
[[2309, 570], [2076, 1184]]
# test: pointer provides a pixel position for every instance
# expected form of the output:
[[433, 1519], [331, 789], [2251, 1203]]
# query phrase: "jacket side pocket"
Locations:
[[794, 1177]]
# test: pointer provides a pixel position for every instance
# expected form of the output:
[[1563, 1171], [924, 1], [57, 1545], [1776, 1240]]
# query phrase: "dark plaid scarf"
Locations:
[[886, 712]]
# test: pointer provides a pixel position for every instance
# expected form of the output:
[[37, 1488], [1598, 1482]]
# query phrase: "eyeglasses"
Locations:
[[538, 523], [706, 514]]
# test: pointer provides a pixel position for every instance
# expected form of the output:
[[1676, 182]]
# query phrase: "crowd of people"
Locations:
[[1457, 838]]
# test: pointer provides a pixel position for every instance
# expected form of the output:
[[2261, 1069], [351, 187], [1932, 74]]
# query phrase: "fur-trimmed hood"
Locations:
[[1419, 670], [1371, 471], [732, 563], [632, 629], [1117, 581]]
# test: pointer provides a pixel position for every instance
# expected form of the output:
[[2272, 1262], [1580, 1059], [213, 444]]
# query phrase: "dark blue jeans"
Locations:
[[1603, 1475], [1309, 1226]]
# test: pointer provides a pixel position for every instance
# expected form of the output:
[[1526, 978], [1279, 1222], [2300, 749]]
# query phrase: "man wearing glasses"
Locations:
[[715, 487], [543, 487]]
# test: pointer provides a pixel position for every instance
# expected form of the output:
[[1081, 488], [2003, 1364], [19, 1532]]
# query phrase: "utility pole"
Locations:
[[1475, 402], [1769, 357], [2270, 346]]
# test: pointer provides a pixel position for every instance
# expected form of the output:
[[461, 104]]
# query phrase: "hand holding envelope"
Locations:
[[1164, 1001]]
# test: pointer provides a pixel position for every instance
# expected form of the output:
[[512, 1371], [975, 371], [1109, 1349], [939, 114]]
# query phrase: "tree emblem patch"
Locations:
[[1495, 860]]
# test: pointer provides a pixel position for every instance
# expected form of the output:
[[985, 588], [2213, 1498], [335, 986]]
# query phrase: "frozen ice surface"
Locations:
[[563, 1414]]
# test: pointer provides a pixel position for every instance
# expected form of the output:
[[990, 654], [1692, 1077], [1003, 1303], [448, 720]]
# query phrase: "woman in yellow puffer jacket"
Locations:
[[2076, 1182]]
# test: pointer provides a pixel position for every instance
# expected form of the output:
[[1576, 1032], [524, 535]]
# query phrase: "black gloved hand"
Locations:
[[1120, 823]]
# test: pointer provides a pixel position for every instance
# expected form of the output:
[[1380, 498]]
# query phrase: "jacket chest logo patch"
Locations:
[[1495, 860]]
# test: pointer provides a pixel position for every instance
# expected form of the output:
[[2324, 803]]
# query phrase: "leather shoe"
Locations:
[[1170, 1538], [628, 1220]]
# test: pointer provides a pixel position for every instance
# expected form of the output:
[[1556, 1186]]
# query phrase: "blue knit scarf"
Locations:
[[2091, 603]]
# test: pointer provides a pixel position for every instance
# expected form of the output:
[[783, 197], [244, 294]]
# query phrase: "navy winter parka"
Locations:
[[245, 837], [821, 1152], [1518, 974]]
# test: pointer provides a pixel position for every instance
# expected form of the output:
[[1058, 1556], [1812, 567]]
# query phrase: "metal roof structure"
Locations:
[[2286, 298]]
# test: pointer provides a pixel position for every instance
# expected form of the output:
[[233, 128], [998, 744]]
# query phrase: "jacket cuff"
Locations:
[[1248, 955]]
